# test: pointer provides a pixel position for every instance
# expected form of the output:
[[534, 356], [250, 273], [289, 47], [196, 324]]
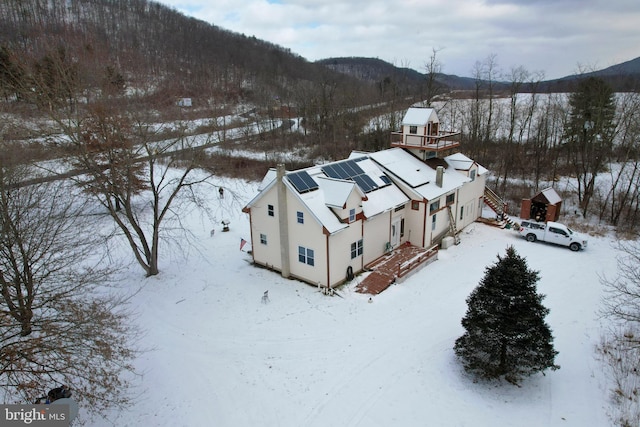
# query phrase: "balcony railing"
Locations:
[[441, 141]]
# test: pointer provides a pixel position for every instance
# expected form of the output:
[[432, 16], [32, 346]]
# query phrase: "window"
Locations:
[[472, 175], [263, 239], [352, 215], [558, 231], [356, 248], [532, 225], [433, 223], [434, 206], [461, 212], [270, 210], [415, 205], [305, 256], [402, 227], [451, 198], [399, 208], [413, 129], [300, 216]]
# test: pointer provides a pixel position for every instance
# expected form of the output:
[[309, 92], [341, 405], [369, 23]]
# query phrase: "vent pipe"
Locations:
[[439, 175], [283, 221]]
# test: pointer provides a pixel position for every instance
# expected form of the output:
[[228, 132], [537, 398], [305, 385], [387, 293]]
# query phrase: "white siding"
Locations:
[[470, 192], [442, 221], [308, 235], [262, 223], [414, 224], [376, 232], [340, 242], [340, 253]]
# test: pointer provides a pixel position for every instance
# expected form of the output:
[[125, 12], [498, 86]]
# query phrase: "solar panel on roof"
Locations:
[[333, 172], [348, 169], [385, 179], [343, 170], [308, 180], [338, 172], [356, 168], [297, 182], [302, 181], [328, 170], [362, 183], [351, 171], [370, 182]]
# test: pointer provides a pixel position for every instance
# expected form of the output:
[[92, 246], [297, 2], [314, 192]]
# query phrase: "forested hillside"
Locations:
[[89, 61], [152, 45]]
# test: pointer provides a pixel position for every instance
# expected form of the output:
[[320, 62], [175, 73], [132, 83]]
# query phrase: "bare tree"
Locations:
[[622, 302], [134, 167], [512, 145], [139, 183], [621, 199], [620, 349], [492, 73], [58, 323], [433, 67]]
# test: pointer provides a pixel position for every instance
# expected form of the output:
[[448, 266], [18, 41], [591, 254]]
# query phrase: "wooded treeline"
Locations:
[[135, 55], [530, 140], [146, 40]]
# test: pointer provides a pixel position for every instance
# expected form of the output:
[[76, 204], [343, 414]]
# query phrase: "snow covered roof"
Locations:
[[382, 200], [416, 116], [418, 175], [462, 163], [322, 193], [268, 179], [551, 195], [405, 166], [451, 180], [383, 172], [336, 191], [459, 161]]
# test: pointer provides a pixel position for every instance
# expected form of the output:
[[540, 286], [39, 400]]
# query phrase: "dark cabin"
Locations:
[[544, 206]]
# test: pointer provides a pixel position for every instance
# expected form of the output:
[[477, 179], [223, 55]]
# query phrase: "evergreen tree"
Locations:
[[590, 131], [506, 334]]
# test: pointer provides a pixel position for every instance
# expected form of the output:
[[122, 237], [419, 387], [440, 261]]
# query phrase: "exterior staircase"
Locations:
[[497, 205]]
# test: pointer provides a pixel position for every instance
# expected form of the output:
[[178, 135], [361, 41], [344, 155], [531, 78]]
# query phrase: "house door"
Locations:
[[469, 213], [395, 231]]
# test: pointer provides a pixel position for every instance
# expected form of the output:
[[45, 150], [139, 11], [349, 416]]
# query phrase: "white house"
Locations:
[[320, 223]]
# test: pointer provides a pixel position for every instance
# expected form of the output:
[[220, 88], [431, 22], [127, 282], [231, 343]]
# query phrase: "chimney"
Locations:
[[439, 175], [283, 221]]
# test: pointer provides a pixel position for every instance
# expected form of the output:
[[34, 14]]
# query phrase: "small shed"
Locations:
[[544, 206], [184, 102]]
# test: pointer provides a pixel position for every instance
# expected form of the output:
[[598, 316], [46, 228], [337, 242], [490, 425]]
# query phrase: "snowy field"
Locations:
[[218, 356]]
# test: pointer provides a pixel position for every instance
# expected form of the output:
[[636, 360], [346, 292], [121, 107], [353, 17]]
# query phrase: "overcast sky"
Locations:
[[557, 37]]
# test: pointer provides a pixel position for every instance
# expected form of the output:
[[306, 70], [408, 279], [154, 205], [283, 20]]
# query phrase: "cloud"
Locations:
[[554, 36]]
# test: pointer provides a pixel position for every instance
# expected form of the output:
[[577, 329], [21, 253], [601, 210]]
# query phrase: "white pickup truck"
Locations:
[[552, 232]]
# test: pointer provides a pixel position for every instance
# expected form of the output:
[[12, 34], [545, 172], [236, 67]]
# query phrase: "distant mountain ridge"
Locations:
[[623, 76], [376, 70], [625, 68]]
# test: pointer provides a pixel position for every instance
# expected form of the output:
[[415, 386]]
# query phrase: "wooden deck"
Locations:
[[392, 267]]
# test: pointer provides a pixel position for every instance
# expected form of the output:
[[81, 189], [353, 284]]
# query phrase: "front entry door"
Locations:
[[395, 232]]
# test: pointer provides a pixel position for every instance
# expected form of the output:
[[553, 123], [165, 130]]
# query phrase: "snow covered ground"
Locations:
[[218, 356]]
